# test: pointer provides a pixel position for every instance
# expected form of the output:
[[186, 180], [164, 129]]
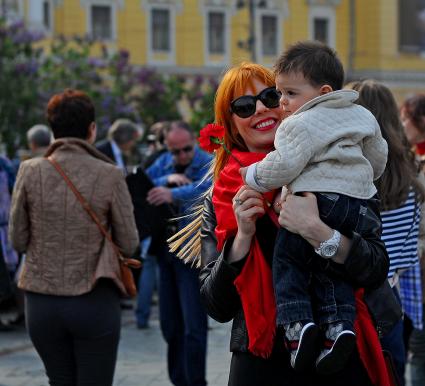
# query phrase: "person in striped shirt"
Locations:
[[402, 195], [413, 118]]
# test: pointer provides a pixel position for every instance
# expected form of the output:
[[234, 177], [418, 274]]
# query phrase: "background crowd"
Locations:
[[167, 178]]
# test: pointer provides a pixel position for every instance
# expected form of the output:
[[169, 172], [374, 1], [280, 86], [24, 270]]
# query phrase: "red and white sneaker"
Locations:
[[339, 345], [301, 344]]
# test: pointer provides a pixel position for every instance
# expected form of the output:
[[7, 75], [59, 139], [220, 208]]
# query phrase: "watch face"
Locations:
[[329, 250]]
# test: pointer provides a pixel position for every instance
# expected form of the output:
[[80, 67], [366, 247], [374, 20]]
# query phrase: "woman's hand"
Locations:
[[300, 214], [248, 205]]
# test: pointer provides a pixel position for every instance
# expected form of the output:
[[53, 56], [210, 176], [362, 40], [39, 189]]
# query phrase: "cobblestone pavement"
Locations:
[[141, 358]]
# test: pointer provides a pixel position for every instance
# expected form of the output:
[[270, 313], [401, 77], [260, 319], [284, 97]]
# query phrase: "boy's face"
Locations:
[[297, 90]]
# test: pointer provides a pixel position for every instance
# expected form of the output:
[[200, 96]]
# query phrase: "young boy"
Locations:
[[332, 147]]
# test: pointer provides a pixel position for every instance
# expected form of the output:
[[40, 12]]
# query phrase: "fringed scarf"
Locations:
[[368, 343], [255, 284]]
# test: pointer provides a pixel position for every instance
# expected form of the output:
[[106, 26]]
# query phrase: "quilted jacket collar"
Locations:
[[334, 99]]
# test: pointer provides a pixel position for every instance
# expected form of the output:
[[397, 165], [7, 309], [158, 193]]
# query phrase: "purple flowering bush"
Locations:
[[201, 94], [29, 76], [19, 64]]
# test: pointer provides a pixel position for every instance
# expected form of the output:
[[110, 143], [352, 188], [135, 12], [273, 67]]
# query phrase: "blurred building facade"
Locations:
[[380, 39]]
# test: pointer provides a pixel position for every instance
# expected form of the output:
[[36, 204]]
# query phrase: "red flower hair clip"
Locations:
[[211, 137]]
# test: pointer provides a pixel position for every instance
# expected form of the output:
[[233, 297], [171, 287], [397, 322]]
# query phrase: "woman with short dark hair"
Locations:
[[71, 276], [71, 114]]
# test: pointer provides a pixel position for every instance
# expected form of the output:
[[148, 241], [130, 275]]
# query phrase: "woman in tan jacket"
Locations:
[[71, 276]]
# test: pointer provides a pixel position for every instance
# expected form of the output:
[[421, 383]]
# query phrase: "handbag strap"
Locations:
[[86, 206]]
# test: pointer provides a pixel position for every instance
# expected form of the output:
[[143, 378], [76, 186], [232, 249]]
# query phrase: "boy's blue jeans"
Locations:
[[303, 289]]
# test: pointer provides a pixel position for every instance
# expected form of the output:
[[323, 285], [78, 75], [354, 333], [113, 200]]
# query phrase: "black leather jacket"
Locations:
[[366, 266]]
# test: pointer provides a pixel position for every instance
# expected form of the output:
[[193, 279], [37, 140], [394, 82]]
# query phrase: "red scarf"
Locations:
[[420, 148], [255, 284], [368, 344]]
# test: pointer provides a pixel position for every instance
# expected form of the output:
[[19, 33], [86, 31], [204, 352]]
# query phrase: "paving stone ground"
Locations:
[[141, 358]]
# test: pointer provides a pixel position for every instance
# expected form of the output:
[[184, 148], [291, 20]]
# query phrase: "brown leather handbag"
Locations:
[[125, 263]]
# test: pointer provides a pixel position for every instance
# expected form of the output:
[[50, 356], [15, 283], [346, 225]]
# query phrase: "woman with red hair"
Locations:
[[237, 236]]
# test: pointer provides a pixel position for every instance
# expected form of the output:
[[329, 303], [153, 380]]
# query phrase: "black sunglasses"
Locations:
[[186, 149], [246, 105]]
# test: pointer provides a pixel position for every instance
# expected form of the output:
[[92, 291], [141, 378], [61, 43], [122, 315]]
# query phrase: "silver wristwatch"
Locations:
[[328, 248]]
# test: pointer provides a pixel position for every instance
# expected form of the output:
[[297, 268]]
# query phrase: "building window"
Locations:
[[46, 15], [269, 35], [11, 10], [216, 30], [321, 29], [161, 30], [322, 24], [412, 26], [101, 22], [39, 14]]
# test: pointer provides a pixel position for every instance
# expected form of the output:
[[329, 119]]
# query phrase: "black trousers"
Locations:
[[76, 336], [5, 282], [249, 370]]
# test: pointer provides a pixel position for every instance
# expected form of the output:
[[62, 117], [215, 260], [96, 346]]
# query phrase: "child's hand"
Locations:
[[284, 193], [242, 171]]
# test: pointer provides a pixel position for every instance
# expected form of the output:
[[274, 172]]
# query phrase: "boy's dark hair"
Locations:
[[318, 63], [70, 114]]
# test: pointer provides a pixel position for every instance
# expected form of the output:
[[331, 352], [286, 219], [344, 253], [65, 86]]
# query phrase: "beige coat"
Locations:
[[65, 251], [329, 144]]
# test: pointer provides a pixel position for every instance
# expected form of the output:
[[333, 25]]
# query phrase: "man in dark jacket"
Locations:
[[178, 178], [122, 137]]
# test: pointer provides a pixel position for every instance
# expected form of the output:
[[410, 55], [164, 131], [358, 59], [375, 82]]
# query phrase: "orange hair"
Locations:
[[236, 81]]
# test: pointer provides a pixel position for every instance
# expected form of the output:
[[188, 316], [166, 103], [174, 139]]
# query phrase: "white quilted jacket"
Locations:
[[329, 144]]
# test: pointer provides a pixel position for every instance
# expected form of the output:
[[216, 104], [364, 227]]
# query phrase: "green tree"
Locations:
[[19, 63], [158, 95], [29, 77], [201, 94]]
